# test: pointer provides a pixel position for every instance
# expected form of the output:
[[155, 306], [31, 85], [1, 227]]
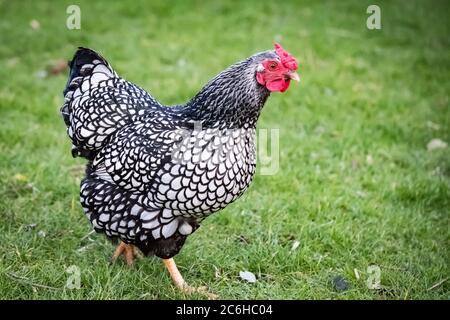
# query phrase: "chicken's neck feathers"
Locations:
[[233, 99]]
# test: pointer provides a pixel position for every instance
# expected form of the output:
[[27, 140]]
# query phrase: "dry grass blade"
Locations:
[[28, 281], [87, 235], [437, 284]]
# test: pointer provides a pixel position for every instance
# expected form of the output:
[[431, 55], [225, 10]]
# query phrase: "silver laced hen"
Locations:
[[155, 172]]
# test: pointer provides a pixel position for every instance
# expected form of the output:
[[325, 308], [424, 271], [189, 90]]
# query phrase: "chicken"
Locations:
[[155, 172]]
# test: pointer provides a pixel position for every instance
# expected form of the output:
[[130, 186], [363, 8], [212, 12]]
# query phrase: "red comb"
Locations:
[[286, 59]]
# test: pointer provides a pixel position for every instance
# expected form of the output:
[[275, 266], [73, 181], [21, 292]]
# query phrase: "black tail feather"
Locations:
[[82, 57]]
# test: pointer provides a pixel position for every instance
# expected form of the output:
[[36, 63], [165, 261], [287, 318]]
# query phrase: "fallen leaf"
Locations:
[[295, 245], [34, 24], [247, 276], [436, 144], [57, 67]]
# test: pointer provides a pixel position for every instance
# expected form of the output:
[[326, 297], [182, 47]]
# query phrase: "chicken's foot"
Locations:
[[181, 284], [129, 252]]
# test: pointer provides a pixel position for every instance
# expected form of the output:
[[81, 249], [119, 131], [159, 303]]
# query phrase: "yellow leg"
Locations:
[[128, 251], [181, 284]]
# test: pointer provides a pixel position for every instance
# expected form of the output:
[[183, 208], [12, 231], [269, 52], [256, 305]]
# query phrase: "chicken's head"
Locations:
[[276, 73]]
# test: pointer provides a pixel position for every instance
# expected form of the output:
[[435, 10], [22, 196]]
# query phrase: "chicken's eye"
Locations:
[[272, 66]]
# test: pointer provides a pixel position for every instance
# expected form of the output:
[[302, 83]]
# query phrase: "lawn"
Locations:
[[357, 186]]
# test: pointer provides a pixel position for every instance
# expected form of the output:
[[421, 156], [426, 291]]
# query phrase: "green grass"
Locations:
[[365, 95]]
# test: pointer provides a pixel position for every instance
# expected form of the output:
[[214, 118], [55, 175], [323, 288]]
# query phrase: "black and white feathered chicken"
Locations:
[[155, 172]]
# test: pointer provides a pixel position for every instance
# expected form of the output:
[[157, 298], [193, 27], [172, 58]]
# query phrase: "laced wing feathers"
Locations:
[[136, 152]]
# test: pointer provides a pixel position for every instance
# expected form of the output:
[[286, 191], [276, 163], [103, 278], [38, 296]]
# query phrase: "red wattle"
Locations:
[[278, 85]]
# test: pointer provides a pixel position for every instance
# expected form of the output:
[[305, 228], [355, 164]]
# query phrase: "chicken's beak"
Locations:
[[293, 76]]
